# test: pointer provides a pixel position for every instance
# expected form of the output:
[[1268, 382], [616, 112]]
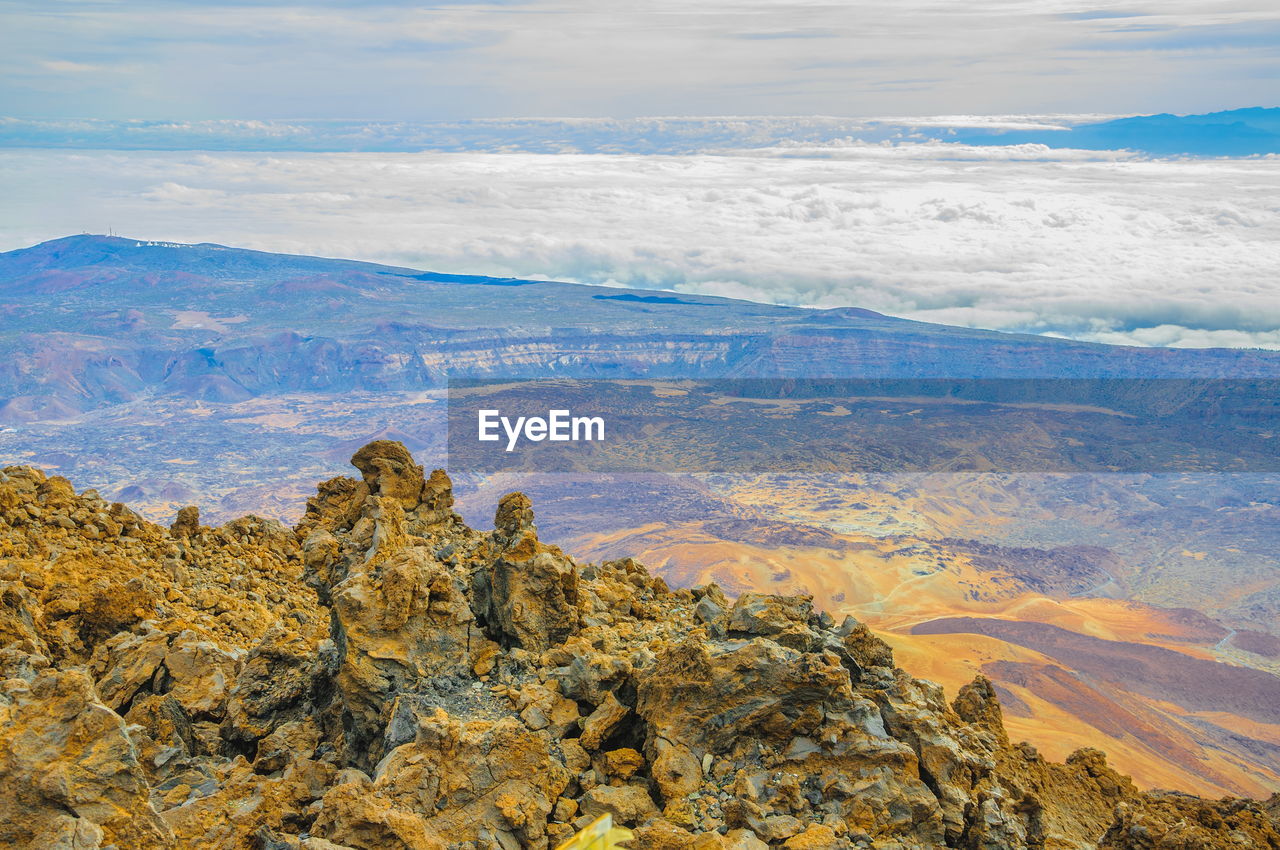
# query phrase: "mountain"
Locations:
[[159, 374], [382, 676], [90, 321], [1236, 132]]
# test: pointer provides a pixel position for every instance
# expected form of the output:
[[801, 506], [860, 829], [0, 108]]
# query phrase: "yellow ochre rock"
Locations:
[[383, 677]]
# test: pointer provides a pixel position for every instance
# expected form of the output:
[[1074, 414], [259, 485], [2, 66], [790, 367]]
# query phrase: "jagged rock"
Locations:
[[602, 722], [21, 619], [542, 707], [663, 835], [383, 676], [323, 562], [113, 604], [785, 619], [455, 781], [163, 736], [187, 522], [68, 771], [531, 589], [1178, 821], [230, 807], [396, 624], [710, 610], [816, 837], [313, 843], [436, 502], [780, 827], [742, 701], [288, 741], [126, 663], [949, 758], [630, 805], [622, 763], [587, 674], [743, 839], [198, 674], [277, 684], [712, 696], [365, 821], [863, 648], [389, 471], [335, 505], [977, 703], [676, 771], [514, 517]]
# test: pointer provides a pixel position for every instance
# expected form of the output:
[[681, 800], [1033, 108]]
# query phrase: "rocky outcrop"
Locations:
[[1174, 820], [69, 773], [496, 778], [529, 591], [389, 472], [383, 676]]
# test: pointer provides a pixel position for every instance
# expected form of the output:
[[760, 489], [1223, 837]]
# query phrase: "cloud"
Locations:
[[1099, 15], [406, 60], [1244, 36], [1176, 336], [777, 34], [534, 135], [64, 66], [1093, 245]]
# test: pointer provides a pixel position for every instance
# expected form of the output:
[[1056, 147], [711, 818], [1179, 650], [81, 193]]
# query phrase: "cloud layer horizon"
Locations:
[[1099, 246]]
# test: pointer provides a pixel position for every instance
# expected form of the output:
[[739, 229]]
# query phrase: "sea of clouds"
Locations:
[[653, 135], [1103, 246]]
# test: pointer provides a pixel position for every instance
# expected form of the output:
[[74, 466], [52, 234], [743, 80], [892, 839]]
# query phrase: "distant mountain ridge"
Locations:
[[1235, 132], [89, 321]]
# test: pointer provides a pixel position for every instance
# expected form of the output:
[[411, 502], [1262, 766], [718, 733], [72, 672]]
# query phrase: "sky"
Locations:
[[416, 61], [404, 132]]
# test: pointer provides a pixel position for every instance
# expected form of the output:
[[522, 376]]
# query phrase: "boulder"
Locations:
[[389, 471], [69, 774], [530, 590], [456, 780]]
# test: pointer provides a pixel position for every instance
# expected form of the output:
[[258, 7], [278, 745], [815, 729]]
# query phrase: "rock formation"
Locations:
[[383, 677]]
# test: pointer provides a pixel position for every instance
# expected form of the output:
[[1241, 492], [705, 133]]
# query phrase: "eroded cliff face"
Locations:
[[383, 677]]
